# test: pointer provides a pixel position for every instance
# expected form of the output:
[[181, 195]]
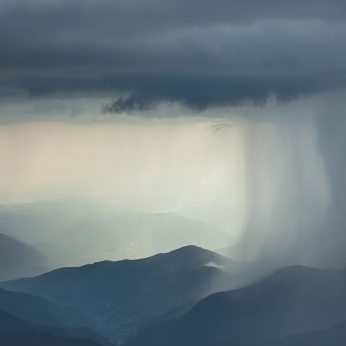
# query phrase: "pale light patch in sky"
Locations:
[[186, 164], [177, 165]]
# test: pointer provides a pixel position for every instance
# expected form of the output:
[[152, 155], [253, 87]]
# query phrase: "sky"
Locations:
[[235, 107]]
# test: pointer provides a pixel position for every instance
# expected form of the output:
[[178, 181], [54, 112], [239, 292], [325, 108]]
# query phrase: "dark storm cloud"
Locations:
[[196, 92], [198, 53], [199, 93]]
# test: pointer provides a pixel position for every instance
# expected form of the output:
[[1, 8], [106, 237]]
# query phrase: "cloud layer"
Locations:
[[198, 53]]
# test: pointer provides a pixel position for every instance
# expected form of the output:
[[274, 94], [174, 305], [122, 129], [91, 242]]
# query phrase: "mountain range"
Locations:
[[189, 297], [130, 235], [74, 232], [18, 259], [41, 311], [15, 325], [126, 296], [292, 300], [332, 336]]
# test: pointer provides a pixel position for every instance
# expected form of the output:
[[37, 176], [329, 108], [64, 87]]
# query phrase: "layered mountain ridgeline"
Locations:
[[38, 221], [39, 310], [51, 214], [292, 300], [19, 260], [42, 339], [12, 324], [74, 232], [131, 235], [27, 228], [124, 296]]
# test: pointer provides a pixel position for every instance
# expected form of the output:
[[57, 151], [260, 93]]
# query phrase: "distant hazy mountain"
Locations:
[[20, 260], [74, 232], [64, 256], [39, 310], [37, 221], [224, 218], [292, 300], [12, 324], [126, 295], [58, 213], [28, 228], [129, 235]]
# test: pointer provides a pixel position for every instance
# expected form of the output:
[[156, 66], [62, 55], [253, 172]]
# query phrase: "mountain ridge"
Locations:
[[10, 323], [292, 300], [41, 311], [128, 293], [18, 259]]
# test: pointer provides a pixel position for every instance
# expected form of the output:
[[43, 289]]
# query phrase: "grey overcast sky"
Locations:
[[123, 96], [196, 52]]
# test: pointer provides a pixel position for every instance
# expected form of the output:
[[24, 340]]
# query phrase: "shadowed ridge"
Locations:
[[188, 257], [333, 336], [39, 310], [10, 323], [42, 339], [125, 294], [292, 300], [192, 255], [192, 251]]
